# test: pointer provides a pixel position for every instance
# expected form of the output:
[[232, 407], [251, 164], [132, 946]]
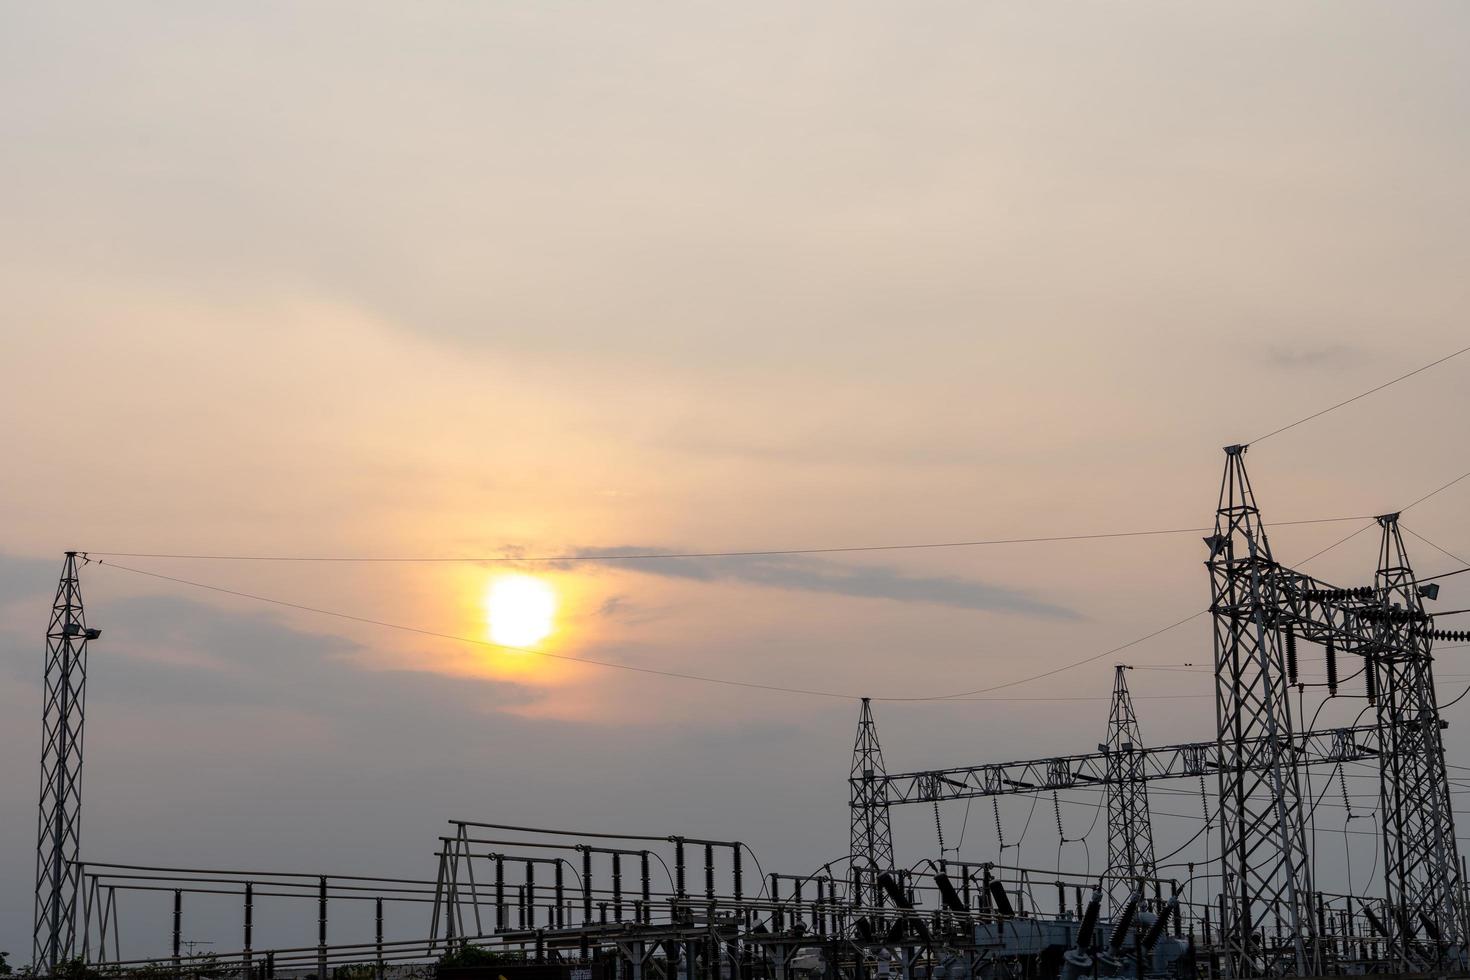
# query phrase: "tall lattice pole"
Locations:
[[1263, 843], [59, 823], [871, 850], [1130, 829], [1421, 860]]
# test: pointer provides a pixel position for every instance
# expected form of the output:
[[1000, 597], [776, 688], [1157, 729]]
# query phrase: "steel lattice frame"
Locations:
[[1420, 855], [59, 822], [1188, 760], [1262, 836], [871, 839], [1130, 829]]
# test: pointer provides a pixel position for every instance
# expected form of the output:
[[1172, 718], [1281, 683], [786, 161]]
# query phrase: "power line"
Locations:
[[682, 675], [471, 640], [1437, 490], [1365, 394], [1446, 553], [651, 555]]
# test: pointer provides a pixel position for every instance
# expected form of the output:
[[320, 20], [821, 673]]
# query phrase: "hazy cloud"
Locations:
[[1313, 355], [862, 581]]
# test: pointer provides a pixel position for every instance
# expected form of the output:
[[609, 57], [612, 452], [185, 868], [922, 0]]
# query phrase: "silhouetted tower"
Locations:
[[59, 825], [1420, 856], [1130, 831], [871, 850], [1263, 847]]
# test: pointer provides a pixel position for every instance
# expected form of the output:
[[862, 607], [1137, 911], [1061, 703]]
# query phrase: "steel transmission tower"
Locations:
[[59, 824], [871, 849], [1420, 856], [1266, 874], [1130, 831]]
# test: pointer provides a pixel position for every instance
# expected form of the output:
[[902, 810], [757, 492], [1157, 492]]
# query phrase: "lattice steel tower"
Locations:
[[1419, 853], [872, 835], [1266, 874], [1130, 830], [59, 824]]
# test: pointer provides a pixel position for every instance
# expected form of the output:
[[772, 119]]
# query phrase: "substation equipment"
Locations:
[[538, 904]]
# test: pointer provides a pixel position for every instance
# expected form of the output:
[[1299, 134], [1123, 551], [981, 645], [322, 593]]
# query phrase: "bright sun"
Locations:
[[519, 610]]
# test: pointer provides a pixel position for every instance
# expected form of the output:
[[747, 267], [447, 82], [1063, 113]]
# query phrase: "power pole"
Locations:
[[59, 823], [1263, 843], [871, 849], [1421, 860], [1130, 830]]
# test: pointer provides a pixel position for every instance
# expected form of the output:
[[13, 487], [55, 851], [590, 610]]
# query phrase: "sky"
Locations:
[[529, 280]]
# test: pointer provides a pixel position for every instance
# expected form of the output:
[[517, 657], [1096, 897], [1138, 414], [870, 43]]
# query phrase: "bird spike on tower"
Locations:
[[1130, 831], [1262, 835], [1421, 859], [59, 823], [871, 850]]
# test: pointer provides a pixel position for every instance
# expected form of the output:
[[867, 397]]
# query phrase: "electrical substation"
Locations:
[[526, 903]]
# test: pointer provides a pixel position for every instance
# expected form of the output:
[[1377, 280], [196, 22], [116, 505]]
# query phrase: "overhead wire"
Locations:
[[683, 675], [660, 555], [1360, 395]]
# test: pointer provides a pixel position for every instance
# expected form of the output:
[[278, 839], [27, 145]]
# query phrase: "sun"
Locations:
[[519, 610]]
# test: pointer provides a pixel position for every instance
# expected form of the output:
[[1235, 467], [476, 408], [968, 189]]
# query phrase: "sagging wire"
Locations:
[[963, 824]]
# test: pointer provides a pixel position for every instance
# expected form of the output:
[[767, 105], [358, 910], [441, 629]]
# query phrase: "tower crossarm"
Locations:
[[1191, 759]]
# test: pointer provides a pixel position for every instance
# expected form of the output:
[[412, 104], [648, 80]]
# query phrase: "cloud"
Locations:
[[860, 581], [1312, 356]]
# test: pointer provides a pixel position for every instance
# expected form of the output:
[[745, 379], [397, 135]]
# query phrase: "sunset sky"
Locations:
[[550, 279]]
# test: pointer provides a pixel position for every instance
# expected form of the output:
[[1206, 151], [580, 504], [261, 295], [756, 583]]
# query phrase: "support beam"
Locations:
[[1188, 760]]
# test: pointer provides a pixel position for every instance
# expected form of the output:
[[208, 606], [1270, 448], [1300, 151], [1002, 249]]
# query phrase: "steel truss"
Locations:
[[58, 827], [1190, 759], [1419, 849], [1263, 839], [871, 837], [1130, 829]]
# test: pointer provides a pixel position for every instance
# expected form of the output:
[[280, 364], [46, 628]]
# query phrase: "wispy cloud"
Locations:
[[1312, 355], [862, 581]]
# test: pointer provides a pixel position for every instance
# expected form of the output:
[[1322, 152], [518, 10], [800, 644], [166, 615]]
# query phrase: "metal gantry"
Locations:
[[1130, 829], [1188, 760], [1263, 840], [1419, 851], [58, 829], [560, 897], [871, 837]]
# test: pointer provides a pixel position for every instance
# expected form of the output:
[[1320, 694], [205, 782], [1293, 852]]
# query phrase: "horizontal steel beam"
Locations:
[[1328, 746]]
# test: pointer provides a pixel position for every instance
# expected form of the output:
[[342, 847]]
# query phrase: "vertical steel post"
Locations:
[[617, 886], [530, 894], [178, 927], [645, 884], [249, 925], [586, 887], [561, 895], [499, 893], [378, 937], [321, 929]]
